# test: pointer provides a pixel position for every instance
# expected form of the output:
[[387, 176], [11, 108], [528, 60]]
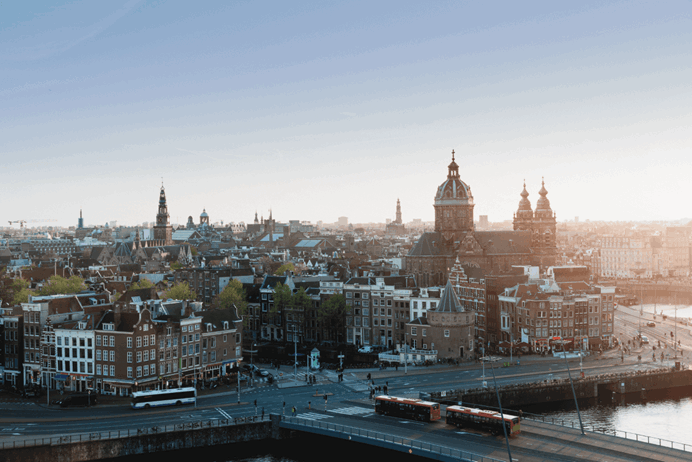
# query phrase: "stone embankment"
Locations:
[[550, 391]]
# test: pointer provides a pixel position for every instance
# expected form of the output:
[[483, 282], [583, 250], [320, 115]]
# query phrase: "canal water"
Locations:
[[661, 414]]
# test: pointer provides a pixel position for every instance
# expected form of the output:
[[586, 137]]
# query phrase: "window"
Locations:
[[424, 332], [414, 331], [152, 368], [98, 354], [139, 372], [98, 369], [112, 340], [146, 341], [112, 356], [129, 357], [152, 339], [446, 332], [129, 372], [139, 356], [98, 340], [112, 371], [146, 356], [139, 342], [129, 342]]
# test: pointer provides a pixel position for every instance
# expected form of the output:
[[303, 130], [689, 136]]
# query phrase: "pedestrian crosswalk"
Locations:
[[353, 410], [313, 416]]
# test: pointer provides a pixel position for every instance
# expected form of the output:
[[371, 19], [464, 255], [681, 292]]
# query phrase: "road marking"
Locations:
[[313, 416], [224, 413], [353, 410]]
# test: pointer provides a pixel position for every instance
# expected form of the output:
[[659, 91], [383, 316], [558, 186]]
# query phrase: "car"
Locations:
[[645, 339], [365, 349], [263, 372], [651, 324]]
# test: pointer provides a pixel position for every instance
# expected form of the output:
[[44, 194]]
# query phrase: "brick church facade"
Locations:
[[532, 242]]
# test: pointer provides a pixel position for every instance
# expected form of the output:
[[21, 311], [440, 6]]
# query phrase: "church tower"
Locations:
[[523, 218], [163, 230], [453, 206], [398, 212], [544, 236]]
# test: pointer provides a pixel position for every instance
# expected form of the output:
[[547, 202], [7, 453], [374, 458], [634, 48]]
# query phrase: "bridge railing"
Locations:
[[617, 433], [133, 432], [394, 439]]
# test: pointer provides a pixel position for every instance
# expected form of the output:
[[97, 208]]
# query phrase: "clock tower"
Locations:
[[162, 229]]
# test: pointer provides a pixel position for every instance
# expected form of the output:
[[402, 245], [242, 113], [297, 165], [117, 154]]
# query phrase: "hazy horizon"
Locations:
[[322, 109]]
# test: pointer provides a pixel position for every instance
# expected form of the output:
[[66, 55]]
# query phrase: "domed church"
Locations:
[[532, 242]]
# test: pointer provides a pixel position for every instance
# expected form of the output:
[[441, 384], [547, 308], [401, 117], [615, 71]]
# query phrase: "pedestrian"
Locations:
[[262, 413], [293, 411]]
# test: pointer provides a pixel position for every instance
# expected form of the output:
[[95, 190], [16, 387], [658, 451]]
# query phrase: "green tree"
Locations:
[[233, 295], [281, 270], [19, 290], [300, 304], [143, 283], [180, 291], [332, 316], [282, 298], [175, 266], [61, 285], [193, 251]]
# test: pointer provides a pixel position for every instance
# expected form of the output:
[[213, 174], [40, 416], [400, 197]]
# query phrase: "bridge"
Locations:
[[662, 291], [539, 441]]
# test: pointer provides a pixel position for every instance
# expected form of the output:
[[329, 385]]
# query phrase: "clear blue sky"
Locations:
[[326, 109]]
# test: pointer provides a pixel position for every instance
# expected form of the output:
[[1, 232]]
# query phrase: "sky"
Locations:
[[318, 110]]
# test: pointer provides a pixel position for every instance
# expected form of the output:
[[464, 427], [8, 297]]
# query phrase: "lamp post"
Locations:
[[406, 353]]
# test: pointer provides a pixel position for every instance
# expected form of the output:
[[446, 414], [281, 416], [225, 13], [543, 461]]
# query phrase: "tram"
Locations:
[[485, 420], [407, 408]]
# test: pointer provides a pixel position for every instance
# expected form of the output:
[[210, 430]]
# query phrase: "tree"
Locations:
[[143, 283], [19, 290], [233, 295], [332, 315], [180, 291], [282, 298], [281, 270], [175, 266], [61, 285], [300, 303]]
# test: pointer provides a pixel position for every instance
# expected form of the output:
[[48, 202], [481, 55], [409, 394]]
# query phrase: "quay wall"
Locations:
[[136, 444], [561, 390]]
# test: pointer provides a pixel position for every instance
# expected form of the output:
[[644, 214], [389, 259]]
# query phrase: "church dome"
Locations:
[[453, 190], [204, 214]]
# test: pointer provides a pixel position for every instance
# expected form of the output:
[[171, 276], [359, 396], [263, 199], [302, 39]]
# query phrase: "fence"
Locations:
[[617, 433], [116, 434], [397, 440]]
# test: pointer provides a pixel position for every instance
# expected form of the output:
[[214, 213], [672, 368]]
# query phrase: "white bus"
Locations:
[[155, 398]]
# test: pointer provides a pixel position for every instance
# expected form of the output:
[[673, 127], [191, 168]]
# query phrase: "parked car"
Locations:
[[645, 339], [365, 349], [651, 324], [263, 372]]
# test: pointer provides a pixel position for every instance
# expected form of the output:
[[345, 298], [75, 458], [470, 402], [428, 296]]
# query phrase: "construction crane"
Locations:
[[21, 223]]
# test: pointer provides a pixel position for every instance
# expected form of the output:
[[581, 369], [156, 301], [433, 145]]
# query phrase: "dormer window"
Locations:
[[225, 325], [108, 326], [82, 325], [209, 327]]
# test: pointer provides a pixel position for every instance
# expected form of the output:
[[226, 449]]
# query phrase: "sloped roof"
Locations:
[[420, 321], [426, 245], [504, 242], [449, 303]]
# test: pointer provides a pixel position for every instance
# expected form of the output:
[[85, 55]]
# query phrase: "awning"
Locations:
[[60, 377], [229, 361]]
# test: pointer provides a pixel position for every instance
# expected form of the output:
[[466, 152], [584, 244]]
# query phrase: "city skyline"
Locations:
[[322, 111]]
